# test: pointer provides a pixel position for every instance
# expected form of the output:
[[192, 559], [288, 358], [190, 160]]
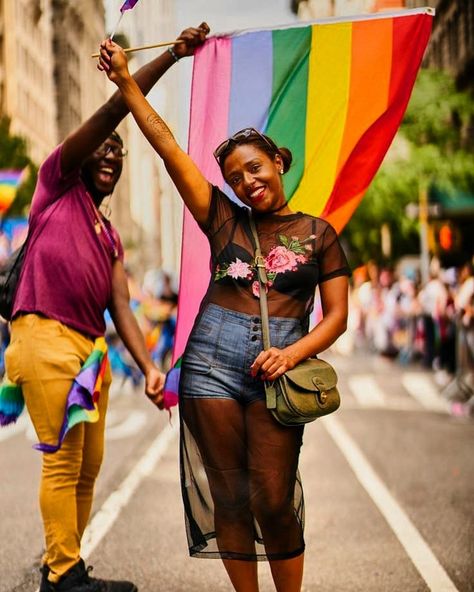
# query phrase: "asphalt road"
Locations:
[[388, 480]]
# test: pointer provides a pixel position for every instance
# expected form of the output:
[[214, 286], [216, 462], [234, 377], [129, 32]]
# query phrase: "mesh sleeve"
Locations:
[[332, 259], [221, 211]]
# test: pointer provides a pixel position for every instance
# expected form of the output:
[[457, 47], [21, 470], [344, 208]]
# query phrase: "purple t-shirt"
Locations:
[[67, 273]]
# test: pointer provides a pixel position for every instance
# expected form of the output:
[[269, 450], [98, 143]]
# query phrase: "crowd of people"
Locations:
[[394, 315]]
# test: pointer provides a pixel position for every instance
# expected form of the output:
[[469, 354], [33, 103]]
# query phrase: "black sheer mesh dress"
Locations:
[[241, 488]]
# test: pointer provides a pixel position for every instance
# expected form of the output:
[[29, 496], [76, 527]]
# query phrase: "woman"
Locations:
[[241, 490]]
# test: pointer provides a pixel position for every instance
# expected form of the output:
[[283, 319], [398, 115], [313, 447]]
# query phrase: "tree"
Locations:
[[14, 155], [436, 131]]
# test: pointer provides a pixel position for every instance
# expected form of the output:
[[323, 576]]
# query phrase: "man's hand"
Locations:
[[154, 383], [192, 39]]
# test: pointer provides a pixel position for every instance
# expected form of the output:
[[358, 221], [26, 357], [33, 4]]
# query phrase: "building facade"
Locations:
[[48, 81], [451, 46], [27, 93], [78, 28]]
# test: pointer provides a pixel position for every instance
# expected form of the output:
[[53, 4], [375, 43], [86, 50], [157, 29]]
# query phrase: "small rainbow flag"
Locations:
[[333, 92], [82, 399], [128, 5], [9, 182]]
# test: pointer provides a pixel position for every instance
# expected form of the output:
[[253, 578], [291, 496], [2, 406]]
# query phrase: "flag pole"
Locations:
[[140, 47], [116, 26]]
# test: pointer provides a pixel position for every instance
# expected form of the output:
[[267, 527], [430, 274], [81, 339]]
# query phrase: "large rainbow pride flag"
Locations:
[[334, 92]]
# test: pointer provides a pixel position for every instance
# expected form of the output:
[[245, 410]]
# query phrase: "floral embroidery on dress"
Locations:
[[281, 258]]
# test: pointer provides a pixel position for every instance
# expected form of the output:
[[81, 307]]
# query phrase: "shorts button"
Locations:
[[254, 338], [255, 328]]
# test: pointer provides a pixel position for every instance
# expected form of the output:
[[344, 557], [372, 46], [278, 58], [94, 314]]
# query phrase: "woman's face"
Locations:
[[255, 177]]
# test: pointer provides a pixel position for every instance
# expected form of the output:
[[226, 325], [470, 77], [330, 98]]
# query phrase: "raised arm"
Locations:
[[191, 184], [85, 139]]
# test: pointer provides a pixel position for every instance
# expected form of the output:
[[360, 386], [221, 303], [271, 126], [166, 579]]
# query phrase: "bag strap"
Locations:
[[270, 391]]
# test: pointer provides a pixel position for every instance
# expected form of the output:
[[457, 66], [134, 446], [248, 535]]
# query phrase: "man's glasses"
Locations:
[[105, 149], [243, 134]]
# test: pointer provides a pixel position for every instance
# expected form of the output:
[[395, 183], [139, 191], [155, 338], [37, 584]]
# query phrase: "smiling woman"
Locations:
[[240, 483]]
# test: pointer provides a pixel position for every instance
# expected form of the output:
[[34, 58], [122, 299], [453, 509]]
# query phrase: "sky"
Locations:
[[229, 15]]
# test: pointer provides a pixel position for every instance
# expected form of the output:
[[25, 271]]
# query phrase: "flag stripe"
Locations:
[[210, 115], [329, 78], [251, 82], [287, 119], [371, 57]]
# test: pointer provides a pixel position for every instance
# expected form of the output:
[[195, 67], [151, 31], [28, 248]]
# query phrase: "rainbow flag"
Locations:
[[9, 182], [333, 92], [128, 5], [82, 399]]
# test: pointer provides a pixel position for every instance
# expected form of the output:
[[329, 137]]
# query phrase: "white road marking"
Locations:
[[130, 426], [423, 390], [415, 546], [367, 392], [104, 519]]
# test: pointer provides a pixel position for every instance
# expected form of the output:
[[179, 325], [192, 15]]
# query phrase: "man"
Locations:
[[72, 272]]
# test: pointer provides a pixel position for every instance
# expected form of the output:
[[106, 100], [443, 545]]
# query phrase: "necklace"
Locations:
[[278, 209], [99, 226]]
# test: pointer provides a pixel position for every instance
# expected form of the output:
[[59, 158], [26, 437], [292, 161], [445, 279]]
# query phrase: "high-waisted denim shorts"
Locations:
[[222, 347]]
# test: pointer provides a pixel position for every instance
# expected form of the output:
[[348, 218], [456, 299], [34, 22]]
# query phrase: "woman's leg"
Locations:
[[217, 426], [288, 573], [273, 452]]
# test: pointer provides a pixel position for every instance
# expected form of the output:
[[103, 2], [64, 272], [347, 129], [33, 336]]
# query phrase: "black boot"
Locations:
[[77, 579]]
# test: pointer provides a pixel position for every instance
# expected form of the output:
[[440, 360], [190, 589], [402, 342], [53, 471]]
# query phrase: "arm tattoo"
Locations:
[[158, 126]]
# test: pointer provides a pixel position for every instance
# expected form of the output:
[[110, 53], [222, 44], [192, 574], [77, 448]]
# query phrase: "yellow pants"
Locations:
[[43, 357]]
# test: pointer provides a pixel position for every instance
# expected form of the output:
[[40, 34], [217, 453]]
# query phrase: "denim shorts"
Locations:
[[221, 348]]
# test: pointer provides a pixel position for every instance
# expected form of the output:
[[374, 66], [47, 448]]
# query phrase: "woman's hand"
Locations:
[[113, 62], [192, 38], [271, 364]]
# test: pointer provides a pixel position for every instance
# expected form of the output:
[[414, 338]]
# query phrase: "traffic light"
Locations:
[[444, 237]]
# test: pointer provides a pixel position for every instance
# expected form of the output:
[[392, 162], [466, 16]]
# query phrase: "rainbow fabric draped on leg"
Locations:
[[333, 92], [82, 399]]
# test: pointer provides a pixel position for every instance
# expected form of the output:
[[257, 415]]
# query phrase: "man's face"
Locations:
[[104, 166]]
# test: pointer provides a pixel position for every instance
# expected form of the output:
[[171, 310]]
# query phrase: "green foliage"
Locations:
[[14, 155], [436, 130]]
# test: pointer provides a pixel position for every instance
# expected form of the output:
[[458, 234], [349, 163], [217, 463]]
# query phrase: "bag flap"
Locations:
[[313, 374]]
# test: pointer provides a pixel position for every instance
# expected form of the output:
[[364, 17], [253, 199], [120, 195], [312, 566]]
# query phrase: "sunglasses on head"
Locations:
[[243, 134]]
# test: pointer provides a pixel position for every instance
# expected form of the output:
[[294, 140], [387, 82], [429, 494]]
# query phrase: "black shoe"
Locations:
[[44, 585], [110, 585], [77, 579]]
